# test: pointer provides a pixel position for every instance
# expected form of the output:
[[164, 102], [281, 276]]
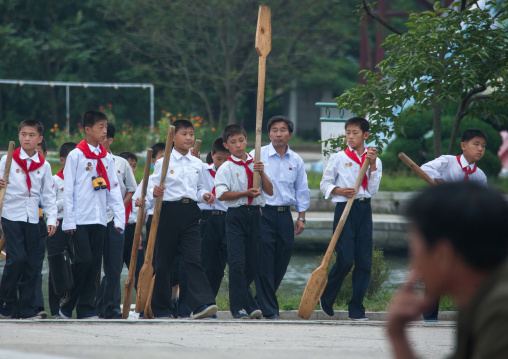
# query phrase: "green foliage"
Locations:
[[445, 57]]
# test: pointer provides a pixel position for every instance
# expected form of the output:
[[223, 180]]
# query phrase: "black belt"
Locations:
[[185, 201], [278, 208], [214, 212], [362, 199]]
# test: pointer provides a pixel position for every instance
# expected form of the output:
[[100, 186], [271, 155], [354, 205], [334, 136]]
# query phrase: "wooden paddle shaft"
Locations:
[[146, 273], [338, 230], [421, 173], [129, 283], [7, 171], [263, 46], [197, 147]]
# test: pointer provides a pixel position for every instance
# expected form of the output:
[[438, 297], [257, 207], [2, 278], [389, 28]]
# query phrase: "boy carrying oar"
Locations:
[[355, 242]]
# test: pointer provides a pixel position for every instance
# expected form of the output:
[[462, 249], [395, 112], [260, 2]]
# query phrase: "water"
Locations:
[[298, 272]]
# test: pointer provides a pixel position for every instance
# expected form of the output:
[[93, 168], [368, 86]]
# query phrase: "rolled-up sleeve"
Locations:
[[375, 178], [221, 180]]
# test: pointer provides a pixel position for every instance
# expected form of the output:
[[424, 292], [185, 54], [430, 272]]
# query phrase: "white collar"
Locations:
[[178, 155], [272, 151], [211, 166], [96, 150], [239, 159], [464, 163], [24, 156], [365, 149]]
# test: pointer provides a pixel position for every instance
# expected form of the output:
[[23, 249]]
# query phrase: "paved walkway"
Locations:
[[214, 339]]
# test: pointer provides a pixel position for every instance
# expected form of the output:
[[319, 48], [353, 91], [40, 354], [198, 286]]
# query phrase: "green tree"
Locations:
[[453, 57]]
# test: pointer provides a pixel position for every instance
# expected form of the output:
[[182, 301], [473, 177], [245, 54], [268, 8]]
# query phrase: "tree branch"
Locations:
[[370, 12]]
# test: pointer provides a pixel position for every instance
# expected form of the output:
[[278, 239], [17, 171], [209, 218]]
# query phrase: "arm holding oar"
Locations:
[[146, 273], [318, 279], [129, 283], [197, 147], [421, 173], [3, 184]]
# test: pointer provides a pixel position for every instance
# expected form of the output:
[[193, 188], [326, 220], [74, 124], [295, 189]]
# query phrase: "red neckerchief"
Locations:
[[22, 163], [212, 173], [101, 170], [467, 171], [128, 210], [250, 174], [354, 157], [60, 174]]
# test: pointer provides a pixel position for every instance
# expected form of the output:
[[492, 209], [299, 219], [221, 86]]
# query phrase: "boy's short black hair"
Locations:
[[468, 135], [358, 121], [92, 116], [209, 158], [43, 145], [179, 124], [158, 147], [218, 146], [232, 130], [284, 119], [473, 218], [32, 123], [129, 156], [111, 130], [66, 148]]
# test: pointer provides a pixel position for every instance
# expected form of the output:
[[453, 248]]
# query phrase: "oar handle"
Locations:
[[338, 230], [197, 147], [421, 173], [7, 171]]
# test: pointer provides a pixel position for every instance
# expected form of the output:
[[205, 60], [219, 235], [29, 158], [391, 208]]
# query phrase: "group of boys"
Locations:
[[210, 216]]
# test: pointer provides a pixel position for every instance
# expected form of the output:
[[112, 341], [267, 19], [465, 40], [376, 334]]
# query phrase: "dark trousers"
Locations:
[[87, 242], [214, 253], [179, 232], [354, 246], [39, 297], [277, 238], [243, 234], [109, 296], [179, 277], [20, 270], [127, 251], [58, 243], [432, 312]]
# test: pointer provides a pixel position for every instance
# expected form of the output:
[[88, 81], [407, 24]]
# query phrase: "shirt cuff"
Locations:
[[68, 225], [120, 223], [329, 191]]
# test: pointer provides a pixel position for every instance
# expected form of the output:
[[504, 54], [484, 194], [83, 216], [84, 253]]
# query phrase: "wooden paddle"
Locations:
[[7, 171], [416, 169], [318, 279], [148, 309], [197, 147], [263, 47], [146, 273], [129, 282]]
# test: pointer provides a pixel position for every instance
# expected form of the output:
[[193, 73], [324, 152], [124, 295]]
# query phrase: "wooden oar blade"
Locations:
[[145, 276], [264, 31], [127, 296], [313, 291]]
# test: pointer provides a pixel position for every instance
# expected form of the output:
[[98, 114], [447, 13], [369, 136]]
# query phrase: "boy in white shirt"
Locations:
[[59, 242], [355, 242], [448, 168], [178, 229], [90, 185], [233, 186], [29, 179], [214, 253]]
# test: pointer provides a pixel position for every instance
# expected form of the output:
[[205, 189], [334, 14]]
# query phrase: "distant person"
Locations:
[[448, 168], [355, 242], [287, 173], [459, 247]]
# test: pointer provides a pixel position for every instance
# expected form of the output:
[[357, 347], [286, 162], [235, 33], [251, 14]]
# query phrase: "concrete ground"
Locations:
[[221, 339]]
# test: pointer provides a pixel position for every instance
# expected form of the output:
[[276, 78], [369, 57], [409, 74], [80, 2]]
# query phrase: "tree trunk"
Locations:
[[436, 127]]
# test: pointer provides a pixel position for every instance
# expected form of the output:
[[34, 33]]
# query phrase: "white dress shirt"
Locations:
[[59, 188], [183, 180], [209, 181], [288, 176], [341, 171], [21, 206], [447, 168], [149, 205], [82, 204], [232, 177], [126, 180]]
